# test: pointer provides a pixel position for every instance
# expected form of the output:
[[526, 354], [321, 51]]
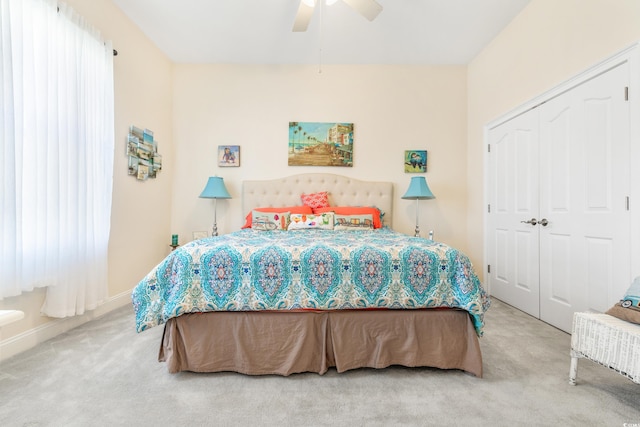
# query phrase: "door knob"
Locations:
[[543, 222], [532, 221]]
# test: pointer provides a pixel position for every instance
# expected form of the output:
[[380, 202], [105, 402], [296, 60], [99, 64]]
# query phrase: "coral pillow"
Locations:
[[290, 209], [316, 200], [355, 210]]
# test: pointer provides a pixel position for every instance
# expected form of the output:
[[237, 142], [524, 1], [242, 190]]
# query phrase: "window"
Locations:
[[56, 155]]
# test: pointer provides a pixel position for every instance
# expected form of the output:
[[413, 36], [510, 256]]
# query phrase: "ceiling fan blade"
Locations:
[[367, 8], [303, 17]]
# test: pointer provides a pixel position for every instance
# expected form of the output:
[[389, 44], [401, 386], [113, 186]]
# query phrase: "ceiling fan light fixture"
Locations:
[[312, 3], [367, 8]]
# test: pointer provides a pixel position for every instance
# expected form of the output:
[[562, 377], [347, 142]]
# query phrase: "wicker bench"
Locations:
[[606, 340]]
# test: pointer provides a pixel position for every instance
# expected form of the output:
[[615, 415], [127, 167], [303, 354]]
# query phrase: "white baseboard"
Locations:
[[29, 339]]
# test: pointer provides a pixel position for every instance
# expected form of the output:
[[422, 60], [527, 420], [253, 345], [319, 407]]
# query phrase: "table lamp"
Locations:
[[418, 190], [215, 189]]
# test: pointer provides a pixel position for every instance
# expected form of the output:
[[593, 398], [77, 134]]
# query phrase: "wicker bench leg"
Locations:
[[573, 369]]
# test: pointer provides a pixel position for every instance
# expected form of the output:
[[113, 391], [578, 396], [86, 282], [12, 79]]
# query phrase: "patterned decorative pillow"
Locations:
[[316, 200], [265, 221], [353, 222], [355, 210], [306, 221], [291, 209], [629, 306]]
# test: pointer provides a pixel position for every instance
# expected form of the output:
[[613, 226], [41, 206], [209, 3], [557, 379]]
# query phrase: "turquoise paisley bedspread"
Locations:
[[309, 269]]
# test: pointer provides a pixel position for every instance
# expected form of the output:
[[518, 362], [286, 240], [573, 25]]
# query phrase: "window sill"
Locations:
[[10, 316]]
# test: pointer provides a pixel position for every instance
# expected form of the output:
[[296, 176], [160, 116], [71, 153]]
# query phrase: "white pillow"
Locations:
[[266, 221], [353, 222], [305, 221]]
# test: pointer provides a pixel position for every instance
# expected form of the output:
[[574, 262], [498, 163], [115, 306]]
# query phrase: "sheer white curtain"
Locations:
[[56, 155]]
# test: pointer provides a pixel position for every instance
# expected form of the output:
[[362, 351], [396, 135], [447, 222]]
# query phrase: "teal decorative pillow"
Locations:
[[629, 306], [265, 221], [353, 222], [306, 221]]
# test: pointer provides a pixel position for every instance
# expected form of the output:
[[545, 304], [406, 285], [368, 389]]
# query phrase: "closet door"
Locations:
[[584, 184], [512, 245]]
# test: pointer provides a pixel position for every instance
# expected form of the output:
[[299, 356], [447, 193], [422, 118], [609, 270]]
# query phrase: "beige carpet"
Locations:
[[104, 374]]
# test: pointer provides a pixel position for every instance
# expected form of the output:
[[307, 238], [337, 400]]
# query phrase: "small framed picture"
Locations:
[[229, 155], [415, 161]]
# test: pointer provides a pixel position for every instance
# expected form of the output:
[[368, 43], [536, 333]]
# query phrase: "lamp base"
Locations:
[[214, 230], [417, 234]]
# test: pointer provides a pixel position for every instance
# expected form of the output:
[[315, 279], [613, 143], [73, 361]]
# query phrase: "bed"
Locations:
[[281, 302]]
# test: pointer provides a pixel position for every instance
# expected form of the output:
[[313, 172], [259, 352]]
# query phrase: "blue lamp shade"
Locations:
[[215, 189], [418, 189]]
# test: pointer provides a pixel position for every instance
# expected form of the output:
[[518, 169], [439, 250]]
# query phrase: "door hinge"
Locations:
[[488, 268], [626, 93], [489, 208], [627, 202], [488, 148]]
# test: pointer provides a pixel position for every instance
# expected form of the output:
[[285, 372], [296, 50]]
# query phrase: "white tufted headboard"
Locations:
[[343, 191]]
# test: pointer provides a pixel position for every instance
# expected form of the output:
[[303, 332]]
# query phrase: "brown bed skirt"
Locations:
[[283, 343]]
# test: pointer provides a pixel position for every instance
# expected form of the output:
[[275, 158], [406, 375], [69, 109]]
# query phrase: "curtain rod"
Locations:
[[115, 52]]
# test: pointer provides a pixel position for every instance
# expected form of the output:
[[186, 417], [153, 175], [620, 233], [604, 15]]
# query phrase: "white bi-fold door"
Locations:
[[558, 186], [513, 188]]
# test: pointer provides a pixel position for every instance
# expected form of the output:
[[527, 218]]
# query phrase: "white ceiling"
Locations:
[[259, 31]]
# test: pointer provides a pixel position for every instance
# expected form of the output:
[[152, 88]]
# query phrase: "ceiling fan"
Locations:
[[367, 8]]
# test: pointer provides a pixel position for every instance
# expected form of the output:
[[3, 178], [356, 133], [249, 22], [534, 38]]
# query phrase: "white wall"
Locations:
[[393, 108], [548, 43]]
